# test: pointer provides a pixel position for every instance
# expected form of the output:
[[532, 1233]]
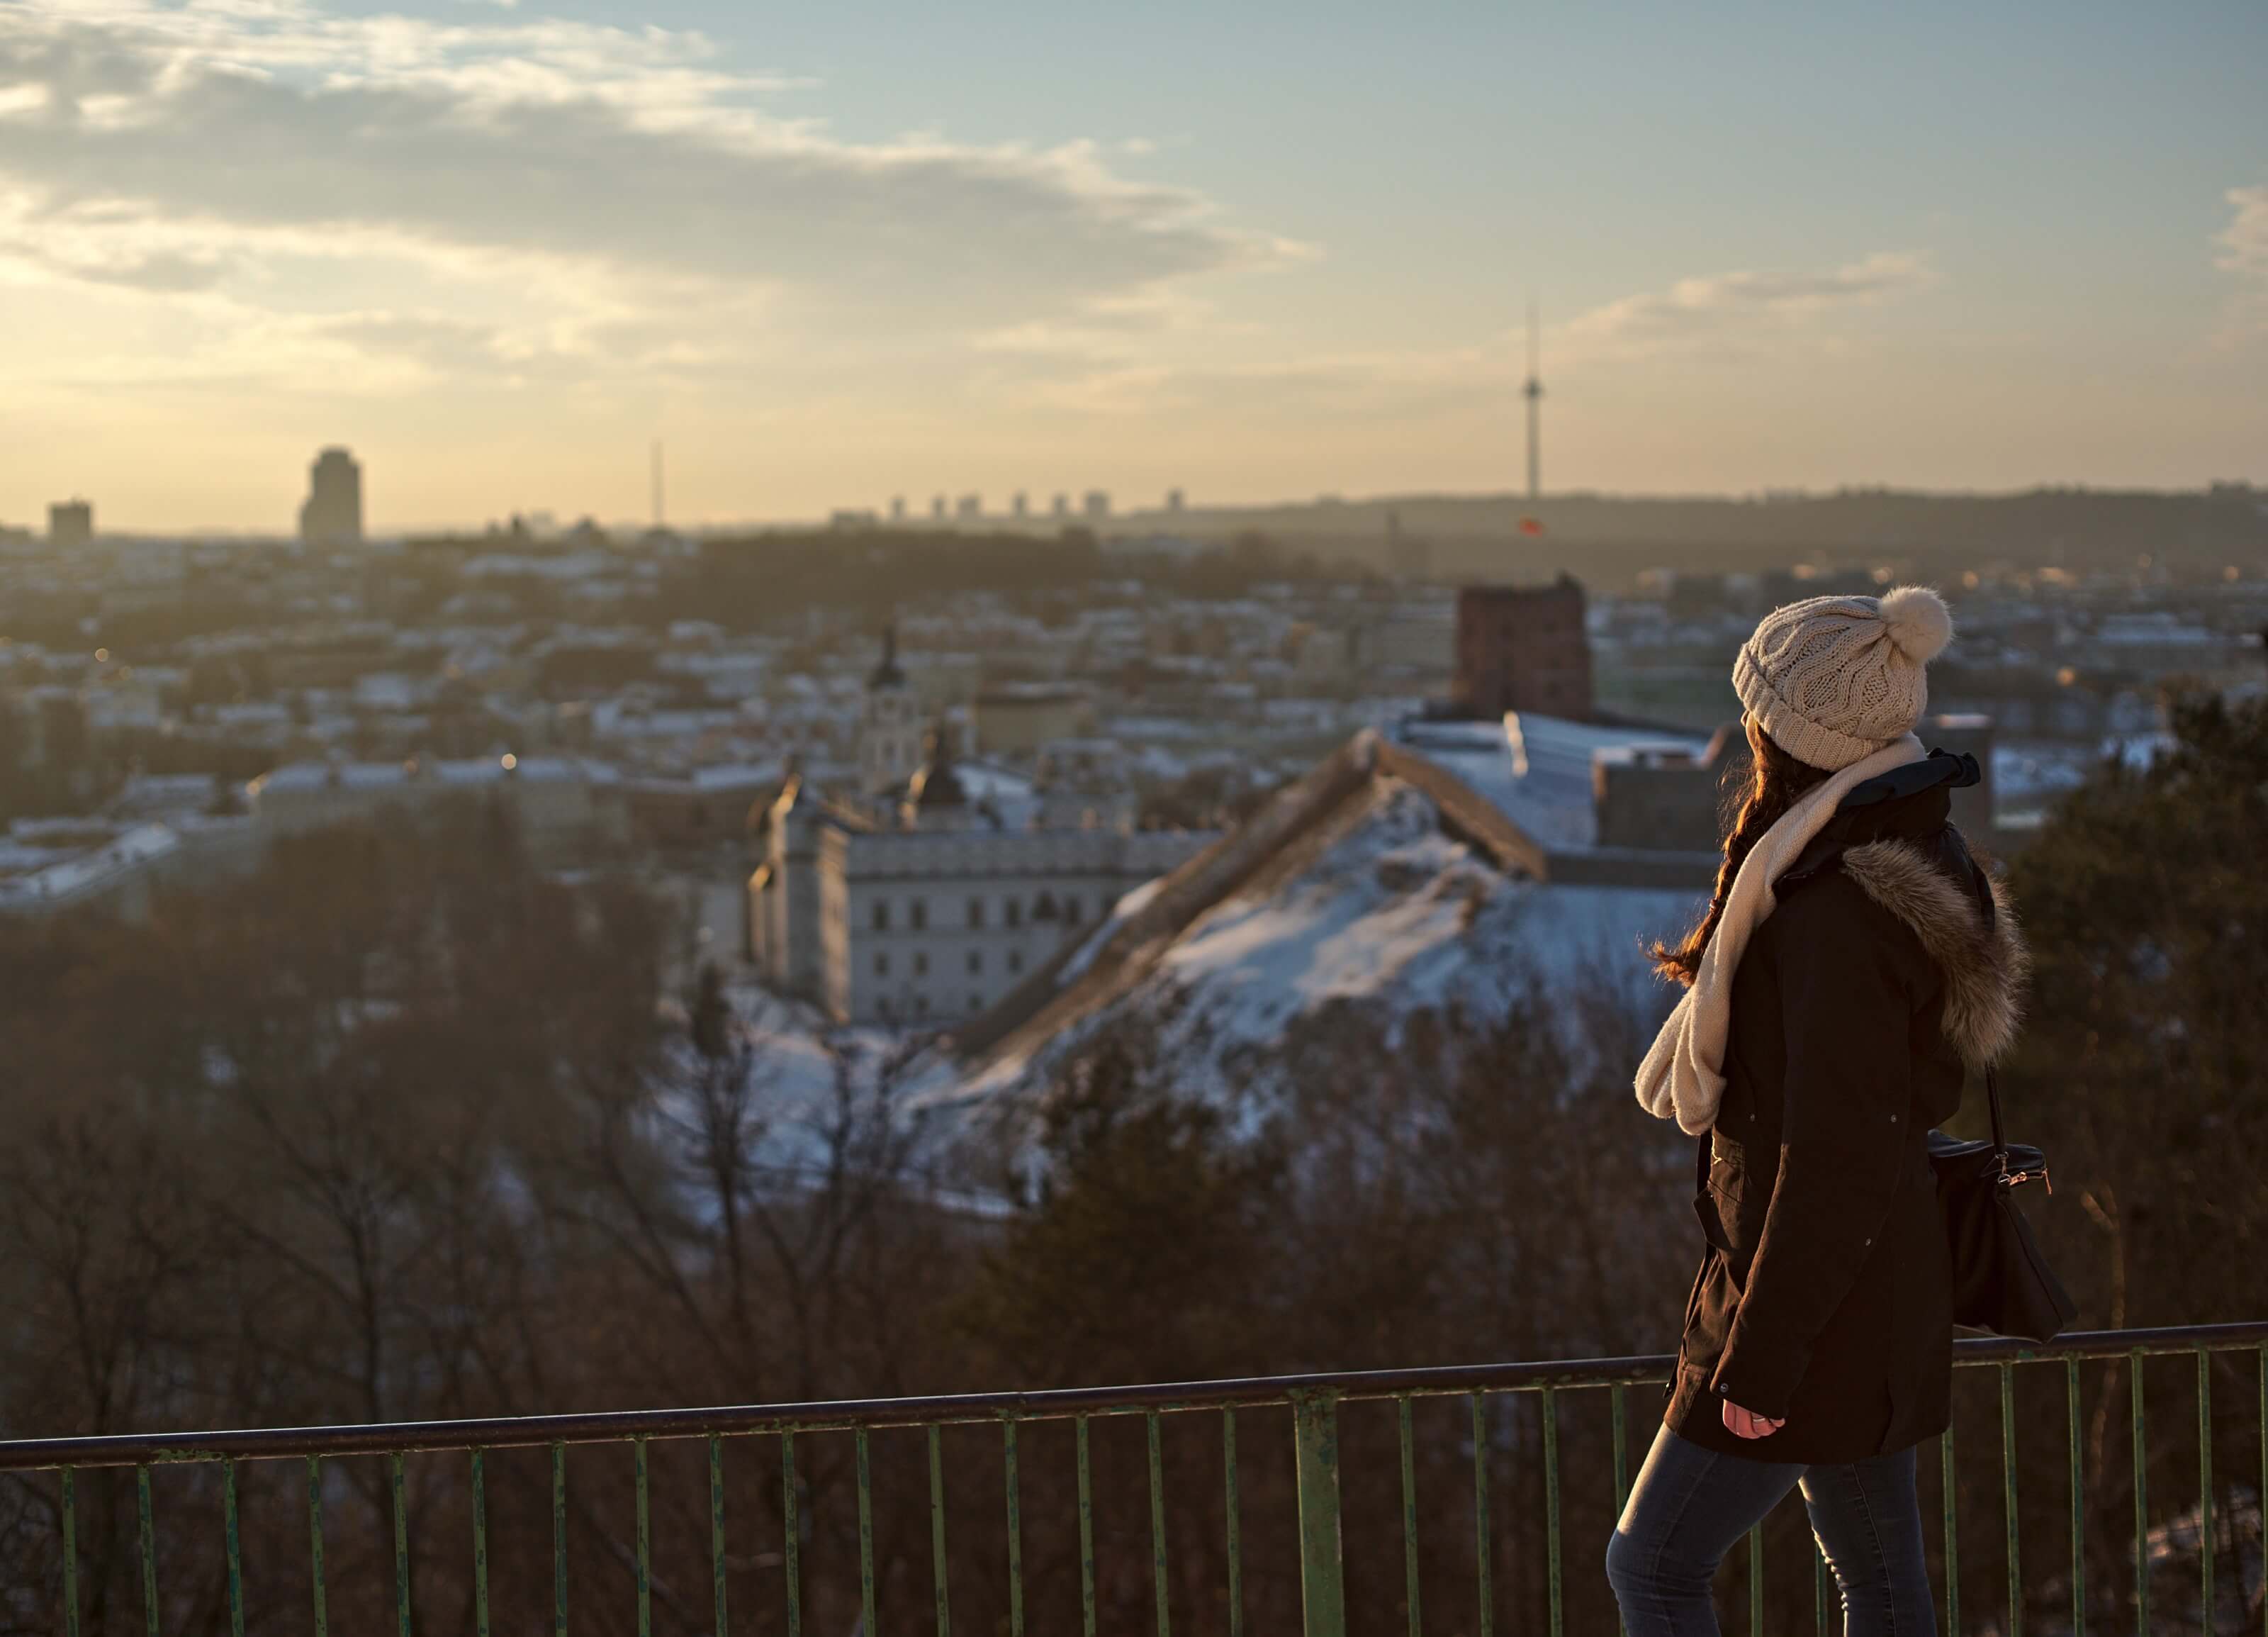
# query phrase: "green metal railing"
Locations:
[[1314, 1404]]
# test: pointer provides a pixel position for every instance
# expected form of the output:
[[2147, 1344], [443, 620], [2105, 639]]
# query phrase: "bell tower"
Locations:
[[889, 724]]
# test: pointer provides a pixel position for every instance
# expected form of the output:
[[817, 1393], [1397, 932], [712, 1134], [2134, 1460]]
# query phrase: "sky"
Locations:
[[830, 253]]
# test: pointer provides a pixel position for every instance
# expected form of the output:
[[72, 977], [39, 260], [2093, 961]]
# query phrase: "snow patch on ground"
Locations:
[[802, 1063]]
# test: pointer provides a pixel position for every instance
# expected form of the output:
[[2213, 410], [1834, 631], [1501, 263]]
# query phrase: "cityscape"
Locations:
[[1035, 821], [1022, 745], [931, 829]]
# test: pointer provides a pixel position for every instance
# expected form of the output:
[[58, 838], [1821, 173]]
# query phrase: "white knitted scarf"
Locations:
[[1683, 1075]]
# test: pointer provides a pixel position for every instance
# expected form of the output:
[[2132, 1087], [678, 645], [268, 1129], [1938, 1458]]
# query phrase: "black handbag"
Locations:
[[2001, 1283]]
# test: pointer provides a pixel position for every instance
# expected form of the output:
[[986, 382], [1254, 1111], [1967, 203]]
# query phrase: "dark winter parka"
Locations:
[[1824, 1295]]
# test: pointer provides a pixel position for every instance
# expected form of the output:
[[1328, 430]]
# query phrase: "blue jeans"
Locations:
[[1690, 1505]]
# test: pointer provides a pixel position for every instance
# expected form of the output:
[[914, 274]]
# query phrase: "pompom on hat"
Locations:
[[1833, 680]]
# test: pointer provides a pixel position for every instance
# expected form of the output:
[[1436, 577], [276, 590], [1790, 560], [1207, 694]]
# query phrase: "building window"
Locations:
[[1043, 907], [975, 962], [977, 1003], [976, 912], [1012, 911], [1070, 908], [921, 1006], [920, 914], [921, 963], [881, 915], [1015, 960], [881, 963]]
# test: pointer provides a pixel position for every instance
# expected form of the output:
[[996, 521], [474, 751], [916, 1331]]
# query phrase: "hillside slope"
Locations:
[[1378, 907]]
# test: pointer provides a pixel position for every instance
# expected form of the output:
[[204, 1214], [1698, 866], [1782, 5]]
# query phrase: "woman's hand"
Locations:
[[1747, 1424]]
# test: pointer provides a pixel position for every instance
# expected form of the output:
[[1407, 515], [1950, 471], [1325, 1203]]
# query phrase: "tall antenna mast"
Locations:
[[1534, 392], [657, 484]]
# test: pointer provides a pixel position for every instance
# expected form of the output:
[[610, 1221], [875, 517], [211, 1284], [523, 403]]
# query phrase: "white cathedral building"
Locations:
[[935, 889]]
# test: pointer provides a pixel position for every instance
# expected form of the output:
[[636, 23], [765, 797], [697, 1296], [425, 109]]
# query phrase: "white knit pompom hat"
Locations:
[[1833, 680]]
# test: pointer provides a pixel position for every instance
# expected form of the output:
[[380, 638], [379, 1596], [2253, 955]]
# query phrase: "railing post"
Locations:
[[2141, 1505], [71, 1556], [1322, 1586]]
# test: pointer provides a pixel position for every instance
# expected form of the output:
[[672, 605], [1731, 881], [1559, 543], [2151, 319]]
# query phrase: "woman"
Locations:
[[1853, 963]]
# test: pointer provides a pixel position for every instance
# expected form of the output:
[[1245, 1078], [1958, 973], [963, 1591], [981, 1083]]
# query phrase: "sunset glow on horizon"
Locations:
[[501, 249]]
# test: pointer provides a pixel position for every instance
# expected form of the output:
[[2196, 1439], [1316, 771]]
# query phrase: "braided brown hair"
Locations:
[[1775, 780]]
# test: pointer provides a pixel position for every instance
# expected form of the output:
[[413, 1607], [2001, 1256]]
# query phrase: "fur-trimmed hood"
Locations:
[[1986, 963]]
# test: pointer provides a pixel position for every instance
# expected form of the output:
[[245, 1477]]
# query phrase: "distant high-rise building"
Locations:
[[937, 508], [970, 508], [1524, 648], [332, 515], [70, 522], [1061, 506], [1097, 504], [1173, 500], [897, 508], [1021, 505]]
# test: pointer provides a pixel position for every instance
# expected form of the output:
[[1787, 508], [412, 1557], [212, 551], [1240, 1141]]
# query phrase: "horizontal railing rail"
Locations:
[[1314, 1403], [976, 1408]]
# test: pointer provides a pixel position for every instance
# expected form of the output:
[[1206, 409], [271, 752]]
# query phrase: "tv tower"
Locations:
[[1534, 392]]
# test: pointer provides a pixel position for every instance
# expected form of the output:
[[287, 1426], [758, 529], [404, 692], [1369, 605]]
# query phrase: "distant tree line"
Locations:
[[742, 581]]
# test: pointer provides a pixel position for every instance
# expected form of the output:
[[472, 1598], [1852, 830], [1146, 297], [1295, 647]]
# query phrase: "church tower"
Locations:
[[935, 799], [889, 724]]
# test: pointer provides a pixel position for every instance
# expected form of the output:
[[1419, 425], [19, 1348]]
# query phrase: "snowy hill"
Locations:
[[1376, 904]]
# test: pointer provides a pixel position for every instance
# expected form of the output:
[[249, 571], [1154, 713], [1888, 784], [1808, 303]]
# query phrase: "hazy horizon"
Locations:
[[1129, 507], [499, 247]]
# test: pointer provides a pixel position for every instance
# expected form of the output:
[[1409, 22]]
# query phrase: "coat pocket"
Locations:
[[1708, 1315], [1716, 1220], [1731, 1212]]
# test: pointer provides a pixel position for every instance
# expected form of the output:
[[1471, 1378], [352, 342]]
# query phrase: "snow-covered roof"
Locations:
[[484, 771], [739, 776], [519, 565], [68, 877], [1536, 770], [168, 787]]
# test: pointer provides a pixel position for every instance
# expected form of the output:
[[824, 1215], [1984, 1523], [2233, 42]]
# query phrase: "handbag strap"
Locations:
[[1993, 1102], [1981, 885]]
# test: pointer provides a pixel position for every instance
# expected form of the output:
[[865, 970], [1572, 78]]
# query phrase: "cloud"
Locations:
[[2244, 241], [435, 340], [220, 150], [1377, 385], [160, 271], [1120, 363], [2244, 252], [1740, 305]]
